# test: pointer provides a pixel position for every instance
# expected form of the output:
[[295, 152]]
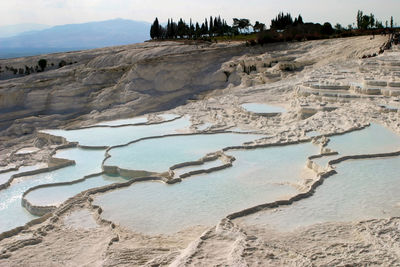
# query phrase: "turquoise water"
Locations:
[[157, 155], [204, 126], [204, 166], [373, 139], [12, 214], [4, 177], [323, 162], [168, 117], [312, 133], [58, 194], [257, 176], [116, 136], [262, 108], [362, 189], [136, 120]]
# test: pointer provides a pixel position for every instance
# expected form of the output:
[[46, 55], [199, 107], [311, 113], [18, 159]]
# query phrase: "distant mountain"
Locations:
[[13, 30], [75, 37]]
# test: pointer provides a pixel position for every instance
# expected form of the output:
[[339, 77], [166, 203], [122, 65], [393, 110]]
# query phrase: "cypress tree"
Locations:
[[281, 21], [359, 18], [155, 30], [168, 33], [171, 30], [215, 30], [181, 28], [371, 20], [211, 28], [300, 20], [152, 31], [219, 23], [191, 29], [197, 30]]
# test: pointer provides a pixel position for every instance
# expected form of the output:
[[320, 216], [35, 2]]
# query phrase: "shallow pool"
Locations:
[[262, 108], [323, 161], [257, 176], [158, 155], [168, 116], [362, 189], [4, 177], [105, 136], [204, 126], [313, 133], [204, 166], [136, 120], [12, 214], [371, 140], [56, 195]]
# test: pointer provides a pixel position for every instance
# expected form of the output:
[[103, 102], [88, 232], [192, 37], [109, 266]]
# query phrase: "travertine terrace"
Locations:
[[325, 86]]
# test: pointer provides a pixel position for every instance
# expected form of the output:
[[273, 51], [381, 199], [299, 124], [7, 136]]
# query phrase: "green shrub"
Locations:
[[327, 29], [42, 64], [62, 63]]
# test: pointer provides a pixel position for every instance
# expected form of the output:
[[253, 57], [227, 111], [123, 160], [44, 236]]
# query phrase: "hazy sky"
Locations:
[[57, 12]]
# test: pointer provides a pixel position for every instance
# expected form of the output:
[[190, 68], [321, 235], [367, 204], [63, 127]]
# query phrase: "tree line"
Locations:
[[41, 66], [365, 22], [282, 21], [173, 30], [216, 26]]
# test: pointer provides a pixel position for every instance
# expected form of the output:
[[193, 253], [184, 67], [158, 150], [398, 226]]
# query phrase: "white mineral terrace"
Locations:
[[295, 167], [230, 181]]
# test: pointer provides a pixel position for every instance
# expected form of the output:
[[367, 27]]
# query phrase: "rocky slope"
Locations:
[[143, 77], [147, 77]]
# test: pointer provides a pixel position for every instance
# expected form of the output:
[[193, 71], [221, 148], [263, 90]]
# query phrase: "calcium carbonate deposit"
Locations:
[[169, 153]]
